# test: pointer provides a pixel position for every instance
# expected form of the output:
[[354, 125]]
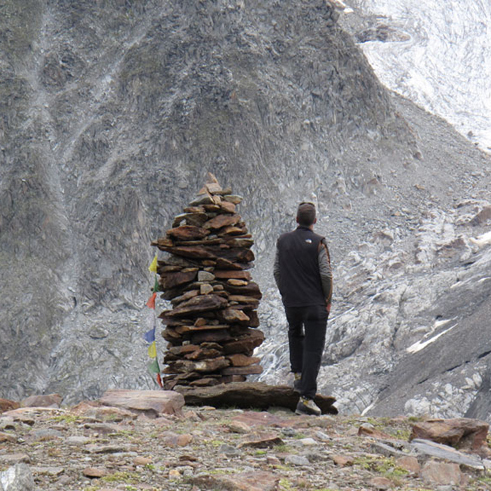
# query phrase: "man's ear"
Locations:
[[315, 220], [296, 219]]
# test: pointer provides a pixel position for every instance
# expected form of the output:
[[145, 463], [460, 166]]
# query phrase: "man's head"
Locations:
[[306, 214]]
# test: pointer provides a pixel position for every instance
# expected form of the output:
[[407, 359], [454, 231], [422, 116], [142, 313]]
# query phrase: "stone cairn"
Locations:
[[211, 328]]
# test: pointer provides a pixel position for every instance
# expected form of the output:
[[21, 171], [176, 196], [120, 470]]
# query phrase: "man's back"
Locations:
[[302, 271], [297, 269]]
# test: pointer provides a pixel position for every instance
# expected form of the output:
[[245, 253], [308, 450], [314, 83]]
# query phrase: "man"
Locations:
[[302, 271]]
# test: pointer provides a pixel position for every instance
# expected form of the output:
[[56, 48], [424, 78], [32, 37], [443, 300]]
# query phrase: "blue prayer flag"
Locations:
[[149, 336]]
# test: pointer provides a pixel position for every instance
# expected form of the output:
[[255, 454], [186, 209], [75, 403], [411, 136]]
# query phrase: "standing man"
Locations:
[[302, 271]]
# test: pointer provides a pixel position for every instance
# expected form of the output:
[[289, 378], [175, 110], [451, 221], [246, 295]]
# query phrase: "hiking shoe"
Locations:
[[307, 406], [297, 379]]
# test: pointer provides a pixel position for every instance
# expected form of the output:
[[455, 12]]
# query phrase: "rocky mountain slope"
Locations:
[[113, 112]]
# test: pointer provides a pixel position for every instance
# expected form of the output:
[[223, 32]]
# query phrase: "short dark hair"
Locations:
[[306, 214]]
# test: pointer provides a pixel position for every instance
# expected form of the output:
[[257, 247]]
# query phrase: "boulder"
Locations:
[[50, 400], [7, 405], [461, 433], [442, 473], [153, 403]]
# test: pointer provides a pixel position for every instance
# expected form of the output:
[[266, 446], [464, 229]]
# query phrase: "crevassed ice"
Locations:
[[445, 66]]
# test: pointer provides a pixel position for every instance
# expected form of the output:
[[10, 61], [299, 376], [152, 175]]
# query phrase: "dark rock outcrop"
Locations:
[[251, 395]]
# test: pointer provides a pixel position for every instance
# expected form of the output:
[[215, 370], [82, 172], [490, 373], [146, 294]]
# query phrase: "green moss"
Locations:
[[66, 418], [382, 465], [281, 448], [299, 436], [285, 484], [379, 422], [215, 443], [124, 477], [125, 433], [481, 480], [402, 434], [224, 471]]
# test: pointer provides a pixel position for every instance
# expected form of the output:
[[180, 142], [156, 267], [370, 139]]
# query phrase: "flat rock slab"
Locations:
[[248, 395], [247, 481], [153, 403], [93, 410], [446, 452]]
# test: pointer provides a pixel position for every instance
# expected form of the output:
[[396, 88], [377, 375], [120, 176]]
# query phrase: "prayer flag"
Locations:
[[156, 287], [154, 366], [159, 380], [151, 301], [153, 267], [149, 336], [152, 350], [151, 319]]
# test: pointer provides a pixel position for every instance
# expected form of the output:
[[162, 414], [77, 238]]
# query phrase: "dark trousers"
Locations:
[[306, 337]]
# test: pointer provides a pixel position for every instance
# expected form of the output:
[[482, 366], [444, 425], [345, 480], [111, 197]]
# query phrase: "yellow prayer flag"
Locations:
[[152, 350], [153, 267]]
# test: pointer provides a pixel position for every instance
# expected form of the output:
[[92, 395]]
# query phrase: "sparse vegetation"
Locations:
[[123, 477], [66, 418], [382, 465], [285, 485]]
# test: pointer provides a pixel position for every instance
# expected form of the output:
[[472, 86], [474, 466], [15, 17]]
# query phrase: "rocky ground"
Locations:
[[95, 447]]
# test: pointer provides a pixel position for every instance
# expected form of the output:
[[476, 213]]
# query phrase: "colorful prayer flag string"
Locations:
[[149, 336]]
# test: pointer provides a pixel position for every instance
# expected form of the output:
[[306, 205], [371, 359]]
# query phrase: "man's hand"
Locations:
[[328, 307]]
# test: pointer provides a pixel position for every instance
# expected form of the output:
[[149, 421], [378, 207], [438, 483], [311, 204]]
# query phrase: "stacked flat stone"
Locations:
[[211, 328]]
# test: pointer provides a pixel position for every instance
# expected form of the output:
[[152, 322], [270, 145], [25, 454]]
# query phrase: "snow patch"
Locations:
[[482, 240], [418, 346]]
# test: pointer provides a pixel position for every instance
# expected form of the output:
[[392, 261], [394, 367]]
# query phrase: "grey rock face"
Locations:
[[113, 114], [17, 478]]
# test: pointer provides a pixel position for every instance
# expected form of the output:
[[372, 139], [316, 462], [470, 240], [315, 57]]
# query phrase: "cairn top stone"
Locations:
[[211, 186]]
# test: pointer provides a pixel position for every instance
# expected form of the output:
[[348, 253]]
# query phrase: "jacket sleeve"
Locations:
[[325, 271], [276, 268]]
